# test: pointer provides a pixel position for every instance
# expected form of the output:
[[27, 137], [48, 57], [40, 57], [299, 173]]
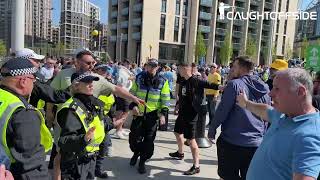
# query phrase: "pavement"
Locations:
[[160, 166]]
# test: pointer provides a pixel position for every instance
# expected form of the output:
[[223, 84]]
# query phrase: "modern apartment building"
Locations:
[[55, 32], [167, 29], [78, 19], [38, 19], [309, 29]]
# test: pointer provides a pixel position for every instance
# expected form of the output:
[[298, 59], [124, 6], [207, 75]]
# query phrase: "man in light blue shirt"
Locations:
[[291, 147]]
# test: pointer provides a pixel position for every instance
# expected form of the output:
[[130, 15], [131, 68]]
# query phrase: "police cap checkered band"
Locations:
[[18, 67], [83, 77], [26, 53]]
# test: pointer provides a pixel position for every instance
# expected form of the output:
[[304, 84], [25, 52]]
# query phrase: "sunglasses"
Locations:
[[89, 63]]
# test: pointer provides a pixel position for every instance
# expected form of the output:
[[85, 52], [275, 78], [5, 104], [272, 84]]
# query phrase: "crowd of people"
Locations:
[[268, 116]]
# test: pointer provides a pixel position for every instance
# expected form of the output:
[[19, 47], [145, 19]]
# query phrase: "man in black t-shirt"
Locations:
[[190, 89]]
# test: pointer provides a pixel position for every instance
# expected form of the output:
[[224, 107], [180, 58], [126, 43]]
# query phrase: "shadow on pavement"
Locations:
[[121, 169]]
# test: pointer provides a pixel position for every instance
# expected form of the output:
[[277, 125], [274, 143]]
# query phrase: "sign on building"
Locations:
[[313, 58]]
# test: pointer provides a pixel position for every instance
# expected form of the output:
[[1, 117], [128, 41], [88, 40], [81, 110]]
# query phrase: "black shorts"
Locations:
[[122, 104], [186, 125]]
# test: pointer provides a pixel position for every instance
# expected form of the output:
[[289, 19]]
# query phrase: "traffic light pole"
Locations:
[[17, 25]]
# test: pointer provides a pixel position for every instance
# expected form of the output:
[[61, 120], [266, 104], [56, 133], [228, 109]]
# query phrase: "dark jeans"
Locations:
[[212, 102], [233, 159], [82, 169], [142, 135]]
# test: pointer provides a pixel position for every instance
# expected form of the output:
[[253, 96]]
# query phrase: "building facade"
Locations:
[[38, 22], [167, 29], [78, 19], [55, 35]]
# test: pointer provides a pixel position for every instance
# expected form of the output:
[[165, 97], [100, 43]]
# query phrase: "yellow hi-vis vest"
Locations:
[[108, 102], [9, 103], [99, 133], [41, 103]]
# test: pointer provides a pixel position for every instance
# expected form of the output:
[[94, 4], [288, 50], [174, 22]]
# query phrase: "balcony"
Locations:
[[236, 46], [114, 2], [268, 5], [240, 9], [265, 38], [221, 31], [113, 38], [238, 22], [124, 24], [136, 36], [136, 22], [206, 3], [125, 11], [114, 14], [124, 37], [237, 34], [252, 35], [254, 2], [113, 26], [219, 43], [204, 29], [266, 27], [252, 24], [222, 20], [205, 16], [137, 7]]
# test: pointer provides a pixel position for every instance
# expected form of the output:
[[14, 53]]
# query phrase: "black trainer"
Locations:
[[101, 174], [177, 155], [193, 170], [142, 167], [134, 159]]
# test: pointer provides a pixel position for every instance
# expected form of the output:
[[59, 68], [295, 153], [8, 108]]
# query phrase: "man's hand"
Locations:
[[5, 174], [162, 120], [138, 100], [135, 111], [242, 99], [90, 134]]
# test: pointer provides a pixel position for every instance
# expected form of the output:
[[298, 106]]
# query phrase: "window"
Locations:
[[285, 26], [279, 7], [185, 7], [283, 44], [164, 6], [162, 26], [184, 30], [178, 2], [287, 6], [162, 33], [162, 52], [278, 24], [163, 20], [176, 36], [176, 23]]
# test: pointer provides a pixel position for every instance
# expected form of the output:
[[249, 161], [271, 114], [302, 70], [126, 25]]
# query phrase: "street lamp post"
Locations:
[[17, 25]]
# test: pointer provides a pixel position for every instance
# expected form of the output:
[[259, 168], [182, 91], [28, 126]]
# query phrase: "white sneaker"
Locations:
[[119, 135]]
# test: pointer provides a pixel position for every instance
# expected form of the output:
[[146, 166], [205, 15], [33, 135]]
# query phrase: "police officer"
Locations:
[[42, 92], [154, 88], [25, 137], [82, 130]]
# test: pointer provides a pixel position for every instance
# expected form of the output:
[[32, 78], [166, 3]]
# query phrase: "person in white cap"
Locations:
[[29, 54]]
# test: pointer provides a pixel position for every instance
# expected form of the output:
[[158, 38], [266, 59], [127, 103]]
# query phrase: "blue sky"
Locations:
[[101, 3]]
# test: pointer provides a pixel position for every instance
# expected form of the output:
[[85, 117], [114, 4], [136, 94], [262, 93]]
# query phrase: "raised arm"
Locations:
[[258, 109]]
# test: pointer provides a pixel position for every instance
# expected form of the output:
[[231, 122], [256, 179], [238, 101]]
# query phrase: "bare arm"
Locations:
[[297, 176], [259, 109], [119, 91]]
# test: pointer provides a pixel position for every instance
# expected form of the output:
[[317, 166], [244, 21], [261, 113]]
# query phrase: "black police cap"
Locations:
[[18, 67]]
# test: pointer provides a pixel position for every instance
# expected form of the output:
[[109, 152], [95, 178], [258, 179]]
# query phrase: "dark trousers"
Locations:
[[103, 150], [82, 169], [233, 159], [212, 102], [142, 135]]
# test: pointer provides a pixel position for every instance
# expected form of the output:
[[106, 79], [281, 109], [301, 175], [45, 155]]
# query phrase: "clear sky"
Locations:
[[101, 3]]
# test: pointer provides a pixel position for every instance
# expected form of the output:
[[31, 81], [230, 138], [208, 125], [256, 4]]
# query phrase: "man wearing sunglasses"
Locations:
[[22, 125]]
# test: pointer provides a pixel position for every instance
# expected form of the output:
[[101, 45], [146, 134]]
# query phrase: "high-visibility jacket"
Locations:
[[155, 91], [9, 103], [99, 133], [108, 102], [41, 103]]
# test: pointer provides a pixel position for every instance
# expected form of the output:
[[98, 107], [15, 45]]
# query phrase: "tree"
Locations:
[[201, 49], [304, 47], [251, 48], [274, 53], [289, 52], [226, 50], [60, 49], [3, 49]]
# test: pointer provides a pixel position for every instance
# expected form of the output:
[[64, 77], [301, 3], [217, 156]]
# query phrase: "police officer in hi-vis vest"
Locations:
[[154, 89], [25, 137], [82, 129]]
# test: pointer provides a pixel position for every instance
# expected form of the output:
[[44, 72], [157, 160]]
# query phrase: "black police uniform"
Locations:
[[75, 162]]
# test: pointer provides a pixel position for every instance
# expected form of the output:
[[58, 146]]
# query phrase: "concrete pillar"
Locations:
[[17, 25]]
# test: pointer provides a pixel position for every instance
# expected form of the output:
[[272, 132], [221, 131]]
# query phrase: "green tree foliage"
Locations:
[[251, 48], [201, 49], [3, 49], [304, 47], [226, 50]]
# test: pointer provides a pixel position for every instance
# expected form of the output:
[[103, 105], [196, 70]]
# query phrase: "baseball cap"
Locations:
[[279, 65], [85, 77], [153, 63], [18, 67], [105, 67], [26, 53]]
